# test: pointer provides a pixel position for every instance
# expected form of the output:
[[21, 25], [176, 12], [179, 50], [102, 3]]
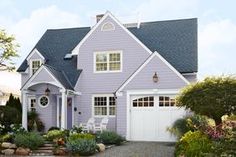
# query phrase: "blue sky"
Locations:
[[28, 20]]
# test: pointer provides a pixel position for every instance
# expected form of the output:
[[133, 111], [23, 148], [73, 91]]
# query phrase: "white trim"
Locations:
[[29, 102], [73, 112], [187, 74], [58, 112], [31, 65], [32, 53], [113, 27], [75, 51], [103, 95], [41, 98], [143, 92], [108, 61], [145, 63], [29, 84]]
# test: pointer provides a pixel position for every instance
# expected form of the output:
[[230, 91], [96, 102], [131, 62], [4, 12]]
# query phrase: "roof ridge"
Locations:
[[67, 79]]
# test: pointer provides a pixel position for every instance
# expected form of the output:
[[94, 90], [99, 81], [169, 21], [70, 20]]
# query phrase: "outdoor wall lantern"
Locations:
[[47, 91], [155, 78]]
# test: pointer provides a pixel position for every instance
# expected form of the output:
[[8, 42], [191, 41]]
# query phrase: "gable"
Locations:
[[108, 18], [142, 78], [42, 75], [35, 54]]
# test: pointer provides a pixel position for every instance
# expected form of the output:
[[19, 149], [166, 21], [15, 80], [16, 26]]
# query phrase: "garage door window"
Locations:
[[166, 101], [144, 102]]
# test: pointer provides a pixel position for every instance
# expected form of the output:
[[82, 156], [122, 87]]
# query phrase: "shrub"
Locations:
[[189, 123], [30, 140], [109, 137], [6, 138], [193, 144], [53, 128], [81, 146], [55, 134], [81, 136], [76, 129], [34, 122]]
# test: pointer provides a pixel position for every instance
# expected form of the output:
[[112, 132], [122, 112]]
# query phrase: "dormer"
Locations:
[[34, 61]]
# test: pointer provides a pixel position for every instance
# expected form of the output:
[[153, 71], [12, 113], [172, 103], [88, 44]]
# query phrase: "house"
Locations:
[[128, 73]]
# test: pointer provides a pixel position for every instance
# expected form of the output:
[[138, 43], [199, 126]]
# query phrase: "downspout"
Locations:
[[115, 110]]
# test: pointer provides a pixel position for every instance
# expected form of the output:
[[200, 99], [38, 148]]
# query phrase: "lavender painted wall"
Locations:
[[105, 83]]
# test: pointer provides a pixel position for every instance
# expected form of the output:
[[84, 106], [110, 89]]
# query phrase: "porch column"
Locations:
[[64, 109], [24, 110]]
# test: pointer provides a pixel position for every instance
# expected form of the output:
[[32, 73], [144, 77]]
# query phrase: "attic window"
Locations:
[[68, 56], [108, 26]]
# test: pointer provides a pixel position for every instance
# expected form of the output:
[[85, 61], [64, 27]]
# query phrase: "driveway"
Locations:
[[140, 149]]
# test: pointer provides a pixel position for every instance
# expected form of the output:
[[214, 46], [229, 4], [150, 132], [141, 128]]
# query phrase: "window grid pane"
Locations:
[[166, 101], [144, 102], [103, 104]]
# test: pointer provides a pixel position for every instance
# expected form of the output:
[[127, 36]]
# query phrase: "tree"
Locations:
[[8, 50], [11, 112], [212, 97]]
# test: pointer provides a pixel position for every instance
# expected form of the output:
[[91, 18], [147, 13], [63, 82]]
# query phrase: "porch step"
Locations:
[[42, 153], [45, 148], [48, 145]]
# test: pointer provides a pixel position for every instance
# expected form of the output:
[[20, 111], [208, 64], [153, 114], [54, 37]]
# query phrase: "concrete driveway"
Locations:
[[140, 149]]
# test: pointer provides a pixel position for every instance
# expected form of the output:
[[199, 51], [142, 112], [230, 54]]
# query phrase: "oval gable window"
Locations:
[[43, 101]]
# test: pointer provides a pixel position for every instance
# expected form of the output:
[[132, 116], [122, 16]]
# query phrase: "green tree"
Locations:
[[11, 112], [213, 97], [8, 50]]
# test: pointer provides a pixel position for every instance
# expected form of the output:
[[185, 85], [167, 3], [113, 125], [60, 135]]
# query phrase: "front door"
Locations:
[[69, 112]]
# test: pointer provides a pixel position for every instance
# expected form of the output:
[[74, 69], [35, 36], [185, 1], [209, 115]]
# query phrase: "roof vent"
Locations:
[[99, 17], [68, 56]]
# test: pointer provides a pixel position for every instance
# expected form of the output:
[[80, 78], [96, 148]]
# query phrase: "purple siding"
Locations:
[[105, 83]]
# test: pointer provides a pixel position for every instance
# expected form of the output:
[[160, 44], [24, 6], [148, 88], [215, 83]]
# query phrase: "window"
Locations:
[[32, 104], [108, 26], [104, 105], [144, 102], [108, 61], [43, 101], [166, 101], [35, 64]]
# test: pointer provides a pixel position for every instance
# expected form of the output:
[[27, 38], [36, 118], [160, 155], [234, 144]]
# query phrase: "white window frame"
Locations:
[[31, 65], [112, 29], [108, 107], [29, 102], [40, 103], [108, 61]]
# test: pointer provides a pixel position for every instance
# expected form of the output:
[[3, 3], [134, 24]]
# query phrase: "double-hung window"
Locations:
[[32, 104], [108, 61], [35, 64], [104, 105]]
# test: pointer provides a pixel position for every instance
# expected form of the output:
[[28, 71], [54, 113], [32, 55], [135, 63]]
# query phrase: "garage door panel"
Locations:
[[150, 117]]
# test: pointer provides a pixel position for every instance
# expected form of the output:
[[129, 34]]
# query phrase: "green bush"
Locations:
[[53, 128], [110, 137], [34, 122], [193, 144], [81, 146], [189, 123], [55, 134], [81, 136], [76, 129], [6, 138], [30, 140]]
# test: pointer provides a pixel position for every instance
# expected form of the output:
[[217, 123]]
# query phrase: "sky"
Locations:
[[28, 20]]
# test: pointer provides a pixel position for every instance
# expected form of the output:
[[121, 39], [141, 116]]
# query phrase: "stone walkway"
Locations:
[[140, 149]]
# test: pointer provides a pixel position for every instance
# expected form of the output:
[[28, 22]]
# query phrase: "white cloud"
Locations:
[[217, 48], [29, 30]]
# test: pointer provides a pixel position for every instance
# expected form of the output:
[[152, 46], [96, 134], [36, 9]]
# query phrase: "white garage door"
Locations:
[[150, 116]]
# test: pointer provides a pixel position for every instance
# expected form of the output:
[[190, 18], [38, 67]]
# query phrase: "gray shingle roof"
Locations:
[[175, 40]]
